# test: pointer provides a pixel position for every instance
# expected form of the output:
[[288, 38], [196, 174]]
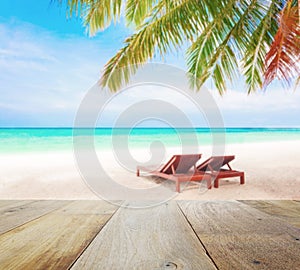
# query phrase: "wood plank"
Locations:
[[14, 215], [289, 211], [12, 203], [148, 238], [55, 240], [238, 236], [7, 202]]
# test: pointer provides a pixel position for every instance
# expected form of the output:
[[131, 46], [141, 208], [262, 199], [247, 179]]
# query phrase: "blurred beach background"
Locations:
[[20, 140], [49, 62], [39, 163]]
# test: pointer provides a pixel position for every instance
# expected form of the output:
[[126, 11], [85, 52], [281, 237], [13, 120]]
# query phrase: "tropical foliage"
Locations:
[[257, 38]]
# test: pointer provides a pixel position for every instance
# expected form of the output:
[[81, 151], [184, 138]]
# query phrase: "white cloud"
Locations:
[[275, 107], [44, 73], [272, 100]]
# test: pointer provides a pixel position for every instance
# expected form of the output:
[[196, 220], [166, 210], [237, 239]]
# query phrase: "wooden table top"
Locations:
[[173, 235]]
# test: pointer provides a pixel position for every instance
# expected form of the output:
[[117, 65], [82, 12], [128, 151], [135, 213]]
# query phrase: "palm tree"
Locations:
[[256, 38]]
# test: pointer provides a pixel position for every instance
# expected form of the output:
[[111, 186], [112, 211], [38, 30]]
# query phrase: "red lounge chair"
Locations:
[[178, 169], [214, 166]]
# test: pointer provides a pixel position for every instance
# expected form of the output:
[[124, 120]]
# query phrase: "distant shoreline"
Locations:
[[197, 128], [271, 169], [18, 140]]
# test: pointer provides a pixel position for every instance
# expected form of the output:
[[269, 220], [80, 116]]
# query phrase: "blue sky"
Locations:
[[48, 63]]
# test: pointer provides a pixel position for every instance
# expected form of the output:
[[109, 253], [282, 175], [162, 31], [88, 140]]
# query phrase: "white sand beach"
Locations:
[[272, 172]]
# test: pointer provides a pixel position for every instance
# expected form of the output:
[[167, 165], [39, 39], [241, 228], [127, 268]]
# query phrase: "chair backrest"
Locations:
[[181, 163], [215, 162]]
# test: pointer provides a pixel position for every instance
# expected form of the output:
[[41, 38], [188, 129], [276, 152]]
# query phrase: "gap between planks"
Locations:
[[150, 238], [238, 236]]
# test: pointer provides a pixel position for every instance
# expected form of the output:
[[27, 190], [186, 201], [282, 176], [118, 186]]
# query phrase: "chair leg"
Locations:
[[216, 183], [177, 186], [242, 179], [208, 181]]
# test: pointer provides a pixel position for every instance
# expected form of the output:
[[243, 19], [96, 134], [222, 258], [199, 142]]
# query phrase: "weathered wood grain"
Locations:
[[289, 211], [55, 240], [12, 203], [150, 238], [7, 202], [238, 236], [14, 215]]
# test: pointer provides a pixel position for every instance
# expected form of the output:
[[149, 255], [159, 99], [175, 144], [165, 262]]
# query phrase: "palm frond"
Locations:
[[97, 14], [101, 13], [216, 50], [224, 35], [297, 83], [260, 40], [282, 58], [160, 33], [138, 10]]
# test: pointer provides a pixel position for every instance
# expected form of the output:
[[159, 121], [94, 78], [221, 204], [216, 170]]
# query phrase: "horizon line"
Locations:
[[147, 127]]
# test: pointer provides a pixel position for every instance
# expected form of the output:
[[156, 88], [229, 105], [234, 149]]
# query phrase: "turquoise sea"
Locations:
[[56, 139]]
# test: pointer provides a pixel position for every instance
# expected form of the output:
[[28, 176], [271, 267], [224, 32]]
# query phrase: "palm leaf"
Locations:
[[282, 58], [97, 14], [161, 33], [297, 83], [216, 51], [138, 10], [225, 35], [260, 40], [101, 13]]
